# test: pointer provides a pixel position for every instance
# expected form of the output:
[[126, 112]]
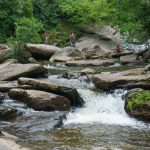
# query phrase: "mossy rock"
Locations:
[[137, 104]]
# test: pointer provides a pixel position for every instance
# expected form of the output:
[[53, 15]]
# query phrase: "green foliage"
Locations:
[[132, 18], [27, 30], [46, 11], [18, 50], [141, 97], [81, 12], [59, 35], [10, 12]]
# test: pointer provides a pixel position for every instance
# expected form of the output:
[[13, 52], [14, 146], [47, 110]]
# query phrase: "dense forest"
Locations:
[[28, 20]]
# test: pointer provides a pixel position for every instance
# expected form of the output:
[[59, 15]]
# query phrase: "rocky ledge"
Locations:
[[135, 78], [12, 70], [84, 63]]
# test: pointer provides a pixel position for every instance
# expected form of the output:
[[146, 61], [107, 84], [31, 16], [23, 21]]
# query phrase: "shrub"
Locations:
[[27, 30]]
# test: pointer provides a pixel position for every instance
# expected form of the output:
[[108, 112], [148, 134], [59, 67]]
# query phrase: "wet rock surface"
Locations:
[[7, 112], [34, 122], [70, 93], [10, 71], [40, 100], [96, 62], [137, 104]]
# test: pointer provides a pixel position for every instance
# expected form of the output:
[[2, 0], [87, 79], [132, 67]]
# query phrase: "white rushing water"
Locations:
[[102, 108]]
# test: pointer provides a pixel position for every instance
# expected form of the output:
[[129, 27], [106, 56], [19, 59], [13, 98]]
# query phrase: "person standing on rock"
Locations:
[[72, 40]]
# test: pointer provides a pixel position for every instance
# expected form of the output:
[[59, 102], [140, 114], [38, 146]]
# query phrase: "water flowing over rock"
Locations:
[[40, 100], [84, 63], [7, 112], [42, 50], [2, 96], [113, 81], [70, 93], [34, 122], [139, 109], [10, 71]]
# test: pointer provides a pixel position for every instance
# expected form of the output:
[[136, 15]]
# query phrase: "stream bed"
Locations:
[[102, 124]]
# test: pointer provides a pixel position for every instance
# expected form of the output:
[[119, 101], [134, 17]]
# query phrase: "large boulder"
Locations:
[[112, 81], [42, 50], [84, 63], [70, 93], [4, 52], [105, 36], [40, 100], [8, 112], [66, 54], [128, 59], [96, 51], [10, 71], [137, 104]]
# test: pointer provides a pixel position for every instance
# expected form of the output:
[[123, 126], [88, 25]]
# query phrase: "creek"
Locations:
[[102, 124]]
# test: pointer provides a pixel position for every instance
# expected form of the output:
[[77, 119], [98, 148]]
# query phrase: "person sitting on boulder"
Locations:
[[72, 40]]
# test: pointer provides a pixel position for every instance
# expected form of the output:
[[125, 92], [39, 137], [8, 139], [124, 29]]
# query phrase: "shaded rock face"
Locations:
[[138, 107], [7, 112], [3, 46], [40, 100], [10, 71], [70, 93], [96, 51], [127, 79], [64, 55], [4, 52], [2, 96], [96, 62], [42, 50], [107, 37]]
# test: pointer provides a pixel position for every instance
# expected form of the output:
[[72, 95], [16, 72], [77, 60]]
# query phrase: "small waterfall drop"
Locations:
[[102, 108]]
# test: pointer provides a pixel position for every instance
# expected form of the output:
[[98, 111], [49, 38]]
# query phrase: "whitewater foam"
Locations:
[[102, 108]]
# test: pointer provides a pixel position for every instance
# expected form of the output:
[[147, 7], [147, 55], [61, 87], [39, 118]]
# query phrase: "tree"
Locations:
[[10, 12], [132, 18], [27, 30]]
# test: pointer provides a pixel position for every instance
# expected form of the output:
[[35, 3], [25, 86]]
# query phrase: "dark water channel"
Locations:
[[101, 124]]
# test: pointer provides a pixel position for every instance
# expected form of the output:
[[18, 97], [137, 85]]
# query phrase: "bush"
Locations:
[[140, 99], [27, 30], [18, 50]]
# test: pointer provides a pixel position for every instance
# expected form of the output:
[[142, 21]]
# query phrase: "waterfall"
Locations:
[[102, 108]]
